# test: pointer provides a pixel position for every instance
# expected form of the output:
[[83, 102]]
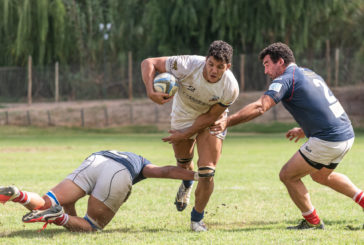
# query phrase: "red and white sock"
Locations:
[[61, 220], [23, 198], [359, 198], [312, 217]]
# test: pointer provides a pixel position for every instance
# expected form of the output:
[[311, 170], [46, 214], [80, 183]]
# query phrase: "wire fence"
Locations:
[[112, 80]]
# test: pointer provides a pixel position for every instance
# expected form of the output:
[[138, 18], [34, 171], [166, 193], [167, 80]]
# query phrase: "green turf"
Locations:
[[249, 204]]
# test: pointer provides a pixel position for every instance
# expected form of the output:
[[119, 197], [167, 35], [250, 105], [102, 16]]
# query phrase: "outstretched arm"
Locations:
[[149, 67], [170, 172], [251, 111], [203, 121], [247, 113]]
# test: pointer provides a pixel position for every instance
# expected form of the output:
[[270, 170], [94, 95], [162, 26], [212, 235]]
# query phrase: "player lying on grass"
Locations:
[[107, 176]]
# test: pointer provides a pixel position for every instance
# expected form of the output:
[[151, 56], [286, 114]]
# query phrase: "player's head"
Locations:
[[276, 57], [221, 51], [218, 60], [276, 51]]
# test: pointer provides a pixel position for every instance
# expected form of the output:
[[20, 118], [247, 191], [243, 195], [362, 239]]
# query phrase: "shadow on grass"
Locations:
[[222, 226], [49, 233], [243, 226], [278, 225], [139, 230]]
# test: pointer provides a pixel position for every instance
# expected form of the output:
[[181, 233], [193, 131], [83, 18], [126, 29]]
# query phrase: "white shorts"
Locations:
[[107, 180], [181, 124], [320, 153]]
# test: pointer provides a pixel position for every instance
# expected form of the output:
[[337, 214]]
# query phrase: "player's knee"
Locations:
[[283, 176], [184, 161], [287, 177], [206, 172]]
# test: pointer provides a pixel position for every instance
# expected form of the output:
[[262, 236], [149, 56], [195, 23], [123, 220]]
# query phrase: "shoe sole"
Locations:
[[6, 193], [180, 206], [40, 216]]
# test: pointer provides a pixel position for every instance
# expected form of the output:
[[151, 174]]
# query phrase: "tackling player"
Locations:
[[206, 88], [107, 176], [322, 120]]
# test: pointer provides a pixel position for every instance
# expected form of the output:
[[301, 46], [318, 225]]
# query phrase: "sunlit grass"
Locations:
[[249, 204]]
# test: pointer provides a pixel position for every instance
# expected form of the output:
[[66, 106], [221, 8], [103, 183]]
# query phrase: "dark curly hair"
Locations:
[[221, 51], [276, 51]]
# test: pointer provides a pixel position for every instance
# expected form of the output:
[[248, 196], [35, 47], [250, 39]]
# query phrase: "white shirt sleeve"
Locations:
[[183, 65], [231, 89]]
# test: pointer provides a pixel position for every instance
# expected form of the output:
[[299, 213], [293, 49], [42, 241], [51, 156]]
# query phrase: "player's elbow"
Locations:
[[145, 63]]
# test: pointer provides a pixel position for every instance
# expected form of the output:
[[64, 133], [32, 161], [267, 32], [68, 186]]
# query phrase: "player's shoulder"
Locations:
[[231, 86], [188, 58], [230, 78], [288, 75], [308, 73], [184, 64]]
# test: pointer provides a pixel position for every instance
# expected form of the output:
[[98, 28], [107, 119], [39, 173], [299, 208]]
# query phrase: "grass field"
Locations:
[[249, 204]]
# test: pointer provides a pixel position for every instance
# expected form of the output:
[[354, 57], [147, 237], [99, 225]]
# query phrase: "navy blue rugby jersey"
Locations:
[[134, 163], [312, 104]]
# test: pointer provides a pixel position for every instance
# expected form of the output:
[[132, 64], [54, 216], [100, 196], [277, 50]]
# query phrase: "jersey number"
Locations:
[[335, 105]]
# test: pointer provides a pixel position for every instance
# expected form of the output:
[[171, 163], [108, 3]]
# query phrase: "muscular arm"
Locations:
[[251, 111], [203, 121], [170, 172], [149, 67]]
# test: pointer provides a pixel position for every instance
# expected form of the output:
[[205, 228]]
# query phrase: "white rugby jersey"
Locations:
[[195, 94]]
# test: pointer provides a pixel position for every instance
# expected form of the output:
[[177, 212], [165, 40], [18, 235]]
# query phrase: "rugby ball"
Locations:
[[165, 83]]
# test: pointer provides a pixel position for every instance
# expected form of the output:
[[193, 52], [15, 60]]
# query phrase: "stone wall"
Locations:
[[99, 114]]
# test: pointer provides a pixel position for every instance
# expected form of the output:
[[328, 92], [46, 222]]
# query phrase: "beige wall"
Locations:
[[142, 112]]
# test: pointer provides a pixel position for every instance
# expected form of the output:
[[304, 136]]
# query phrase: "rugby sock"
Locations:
[[23, 198], [53, 198], [188, 183], [196, 216], [62, 220], [359, 198], [92, 222], [58, 221], [311, 217]]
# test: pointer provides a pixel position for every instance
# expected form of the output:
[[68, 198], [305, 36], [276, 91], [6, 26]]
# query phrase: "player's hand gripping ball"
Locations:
[[165, 83]]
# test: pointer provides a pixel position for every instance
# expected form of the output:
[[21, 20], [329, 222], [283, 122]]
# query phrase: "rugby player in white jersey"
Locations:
[[206, 89], [107, 176]]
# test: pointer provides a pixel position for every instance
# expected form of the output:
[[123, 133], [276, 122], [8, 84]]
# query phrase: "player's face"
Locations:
[[214, 69], [273, 70]]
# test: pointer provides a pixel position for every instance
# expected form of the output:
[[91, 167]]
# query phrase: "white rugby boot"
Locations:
[[183, 197], [198, 226]]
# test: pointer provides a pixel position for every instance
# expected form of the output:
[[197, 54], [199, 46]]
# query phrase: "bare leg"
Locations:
[[77, 224], [291, 174], [184, 150], [184, 153], [67, 193], [36, 202], [336, 181], [33, 201], [96, 210], [209, 152]]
